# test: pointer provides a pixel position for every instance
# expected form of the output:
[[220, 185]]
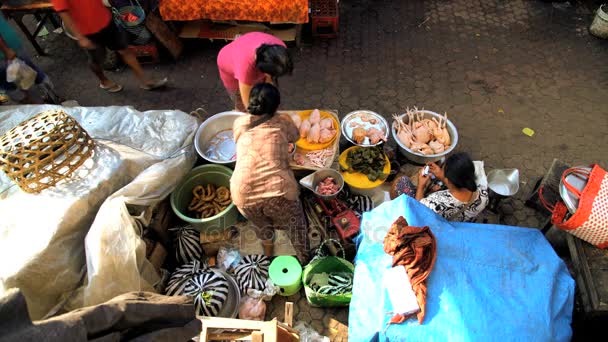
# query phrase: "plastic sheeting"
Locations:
[[139, 159], [489, 283]]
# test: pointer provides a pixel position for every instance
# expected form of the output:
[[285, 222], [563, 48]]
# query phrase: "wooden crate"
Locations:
[[591, 273]]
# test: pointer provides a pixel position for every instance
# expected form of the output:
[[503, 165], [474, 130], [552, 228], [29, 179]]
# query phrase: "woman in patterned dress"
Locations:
[[464, 199]]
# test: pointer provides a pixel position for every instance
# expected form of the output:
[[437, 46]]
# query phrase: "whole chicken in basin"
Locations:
[[314, 134], [326, 135], [304, 128], [315, 117]]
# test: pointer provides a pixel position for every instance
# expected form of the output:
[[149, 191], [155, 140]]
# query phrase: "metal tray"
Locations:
[[570, 200], [353, 120]]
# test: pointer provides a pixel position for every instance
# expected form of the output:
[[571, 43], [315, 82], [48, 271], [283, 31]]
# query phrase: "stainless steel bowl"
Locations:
[[347, 131], [504, 182], [209, 128], [421, 158], [231, 306], [320, 175]]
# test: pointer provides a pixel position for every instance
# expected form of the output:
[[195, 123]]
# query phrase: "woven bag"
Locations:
[[42, 151], [207, 287], [252, 272], [186, 241], [590, 221], [209, 291]]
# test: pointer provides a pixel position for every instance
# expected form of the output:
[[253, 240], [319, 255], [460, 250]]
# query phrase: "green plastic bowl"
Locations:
[[218, 175]]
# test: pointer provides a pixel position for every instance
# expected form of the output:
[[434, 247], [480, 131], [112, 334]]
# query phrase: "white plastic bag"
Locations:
[[309, 334], [252, 306], [21, 74], [252, 309]]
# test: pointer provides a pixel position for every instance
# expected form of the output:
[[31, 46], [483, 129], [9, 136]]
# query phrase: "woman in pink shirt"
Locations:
[[253, 58]]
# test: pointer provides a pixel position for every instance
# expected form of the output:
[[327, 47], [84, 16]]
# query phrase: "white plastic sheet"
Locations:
[[139, 159]]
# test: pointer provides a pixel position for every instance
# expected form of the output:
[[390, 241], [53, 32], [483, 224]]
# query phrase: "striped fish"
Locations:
[[340, 279], [187, 244], [337, 283], [334, 290], [252, 272]]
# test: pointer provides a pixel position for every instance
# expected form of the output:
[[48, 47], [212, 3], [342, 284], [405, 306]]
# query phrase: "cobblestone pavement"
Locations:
[[496, 67]]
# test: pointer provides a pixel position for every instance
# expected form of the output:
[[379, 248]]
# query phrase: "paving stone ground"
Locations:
[[495, 66]]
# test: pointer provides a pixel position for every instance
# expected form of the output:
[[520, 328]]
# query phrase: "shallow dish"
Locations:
[[305, 145], [355, 119]]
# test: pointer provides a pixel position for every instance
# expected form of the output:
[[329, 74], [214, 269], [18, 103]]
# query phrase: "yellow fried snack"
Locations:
[[209, 200]]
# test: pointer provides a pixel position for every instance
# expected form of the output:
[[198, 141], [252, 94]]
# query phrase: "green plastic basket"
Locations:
[[329, 264]]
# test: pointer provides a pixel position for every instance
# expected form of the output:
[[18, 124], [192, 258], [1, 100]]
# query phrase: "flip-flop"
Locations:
[[115, 88], [4, 98], [156, 84]]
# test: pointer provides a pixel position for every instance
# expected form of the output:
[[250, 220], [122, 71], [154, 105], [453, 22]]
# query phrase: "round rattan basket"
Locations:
[[44, 150]]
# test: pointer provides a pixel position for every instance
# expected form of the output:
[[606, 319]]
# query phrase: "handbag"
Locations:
[[590, 220]]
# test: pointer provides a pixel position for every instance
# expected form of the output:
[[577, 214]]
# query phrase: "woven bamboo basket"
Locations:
[[44, 150]]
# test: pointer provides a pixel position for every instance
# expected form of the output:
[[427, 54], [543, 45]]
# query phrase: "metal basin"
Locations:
[[209, 129], [504, 182], [421, 158], [231, 306], [311, 181]]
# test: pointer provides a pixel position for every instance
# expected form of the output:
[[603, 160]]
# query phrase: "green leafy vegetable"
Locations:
[[367, 160]]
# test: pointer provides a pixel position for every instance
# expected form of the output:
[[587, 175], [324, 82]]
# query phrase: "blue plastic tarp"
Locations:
[[489, 283]]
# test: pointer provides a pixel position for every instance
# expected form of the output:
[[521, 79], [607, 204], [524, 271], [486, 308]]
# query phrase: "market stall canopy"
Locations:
[[138, 160]]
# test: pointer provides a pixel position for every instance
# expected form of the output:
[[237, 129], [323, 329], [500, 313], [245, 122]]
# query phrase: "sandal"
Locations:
[[155, 85], [114, 88], [4, 98]]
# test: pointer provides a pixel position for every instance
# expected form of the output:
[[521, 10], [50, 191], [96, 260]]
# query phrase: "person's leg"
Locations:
[[96, 59], [262, 226], [130, 59], [3, 84], [289, 216], [117, 39]]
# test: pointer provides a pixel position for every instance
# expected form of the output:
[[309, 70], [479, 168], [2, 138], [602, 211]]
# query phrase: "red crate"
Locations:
[[146, 54], [324, 17]]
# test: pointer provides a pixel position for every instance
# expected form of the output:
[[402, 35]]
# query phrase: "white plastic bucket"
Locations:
[[599, 26]]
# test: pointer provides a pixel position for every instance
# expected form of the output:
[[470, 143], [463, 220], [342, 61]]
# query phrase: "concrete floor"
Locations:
[[495, 66]]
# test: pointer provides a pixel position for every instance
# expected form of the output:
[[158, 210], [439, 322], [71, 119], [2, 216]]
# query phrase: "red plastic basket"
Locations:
[[325, 18]]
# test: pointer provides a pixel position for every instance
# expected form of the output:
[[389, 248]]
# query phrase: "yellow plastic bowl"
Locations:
[[305, 145], [359, 180]]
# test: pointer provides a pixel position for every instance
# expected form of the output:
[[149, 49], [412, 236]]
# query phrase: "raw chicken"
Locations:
[[375, 135], [327, 186], [436, 146], [314, 134], [299, 159], [326, 135], [304, 128], [359, 135], [315, 117], [296, 119], [327, 123]]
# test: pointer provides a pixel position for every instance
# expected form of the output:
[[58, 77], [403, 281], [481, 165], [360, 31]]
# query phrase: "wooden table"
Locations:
[[41, 11]]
